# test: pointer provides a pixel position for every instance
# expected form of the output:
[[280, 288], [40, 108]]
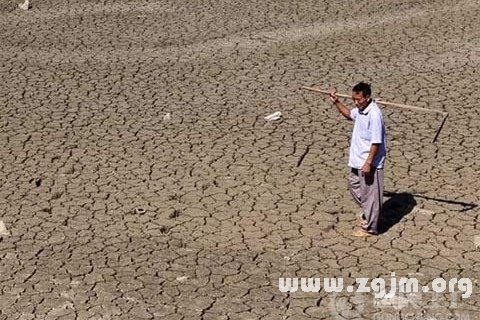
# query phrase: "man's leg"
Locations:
[[354, 185], [371, 187]]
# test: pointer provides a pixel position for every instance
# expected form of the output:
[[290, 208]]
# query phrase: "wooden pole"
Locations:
[[386, 103]]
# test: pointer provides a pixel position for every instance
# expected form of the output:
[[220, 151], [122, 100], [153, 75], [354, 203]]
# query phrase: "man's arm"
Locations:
[[340, 106], [367, 166], [377, 131]]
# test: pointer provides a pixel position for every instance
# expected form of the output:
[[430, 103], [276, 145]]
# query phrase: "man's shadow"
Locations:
[[395, 208], [400, 204]]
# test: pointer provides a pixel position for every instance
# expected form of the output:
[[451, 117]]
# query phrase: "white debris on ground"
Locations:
[[182, 278], [25, 6], [139, 211], [476, 241], [167, 117], [274, 116], [3, 229]]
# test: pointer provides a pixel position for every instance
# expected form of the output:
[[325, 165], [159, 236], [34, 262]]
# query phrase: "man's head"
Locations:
[[361, 93]]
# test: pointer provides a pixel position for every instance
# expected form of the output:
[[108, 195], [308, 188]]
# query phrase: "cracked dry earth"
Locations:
[[139, 179]]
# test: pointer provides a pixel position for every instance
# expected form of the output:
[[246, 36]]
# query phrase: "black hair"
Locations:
[[364, 88]]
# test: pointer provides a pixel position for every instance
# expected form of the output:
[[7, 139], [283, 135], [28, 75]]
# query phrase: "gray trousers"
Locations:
[[367, 191]]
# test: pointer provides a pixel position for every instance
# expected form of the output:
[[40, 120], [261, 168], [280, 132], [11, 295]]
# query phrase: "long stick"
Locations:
[[386, 103]]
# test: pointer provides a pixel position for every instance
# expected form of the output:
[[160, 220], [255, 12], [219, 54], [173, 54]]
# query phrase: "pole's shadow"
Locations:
[[395, 208], [466, 206]]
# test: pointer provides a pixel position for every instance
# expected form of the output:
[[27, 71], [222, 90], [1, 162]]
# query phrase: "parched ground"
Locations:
[[114, 210]]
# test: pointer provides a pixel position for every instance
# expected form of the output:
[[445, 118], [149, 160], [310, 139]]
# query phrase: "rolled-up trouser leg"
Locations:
[[371, 195]]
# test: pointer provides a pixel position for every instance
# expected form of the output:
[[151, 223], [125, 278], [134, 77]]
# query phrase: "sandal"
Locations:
[[362, 234]]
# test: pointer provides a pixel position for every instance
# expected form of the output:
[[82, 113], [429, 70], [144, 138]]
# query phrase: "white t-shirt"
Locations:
[[368, 129]]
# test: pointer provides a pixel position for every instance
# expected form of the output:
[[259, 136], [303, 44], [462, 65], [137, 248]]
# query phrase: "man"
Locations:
[[367, 156]]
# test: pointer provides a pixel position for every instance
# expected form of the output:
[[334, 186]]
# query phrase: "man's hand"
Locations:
[[340, 106], [366, 169], [333, 96]]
